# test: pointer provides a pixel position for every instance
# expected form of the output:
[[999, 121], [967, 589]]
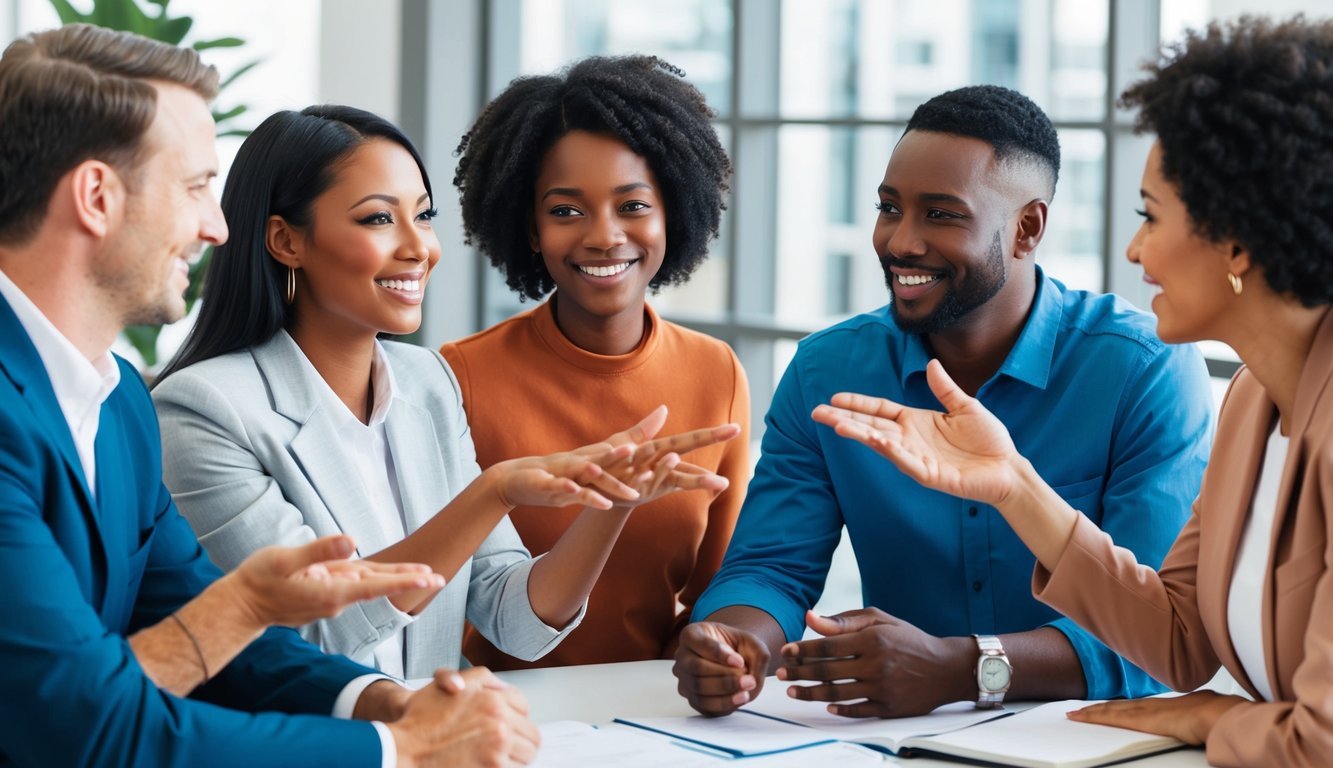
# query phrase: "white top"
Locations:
[[80, 385], [367, 446], [1246, 599]]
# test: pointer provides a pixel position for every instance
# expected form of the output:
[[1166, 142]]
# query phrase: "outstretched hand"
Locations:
[[655, 468], [964, 451], [626, 469], [292, 586]]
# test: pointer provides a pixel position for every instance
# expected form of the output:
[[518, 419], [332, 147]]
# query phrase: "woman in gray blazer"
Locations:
[[285, 416]]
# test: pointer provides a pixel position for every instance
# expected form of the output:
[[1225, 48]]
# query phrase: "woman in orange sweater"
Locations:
[[600, 183]]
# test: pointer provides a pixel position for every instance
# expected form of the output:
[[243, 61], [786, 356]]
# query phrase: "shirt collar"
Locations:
[[1030, 359], [80, 385], [383, 386]]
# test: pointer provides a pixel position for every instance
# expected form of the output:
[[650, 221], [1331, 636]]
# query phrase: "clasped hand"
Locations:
[[871, 664], [626, 469]]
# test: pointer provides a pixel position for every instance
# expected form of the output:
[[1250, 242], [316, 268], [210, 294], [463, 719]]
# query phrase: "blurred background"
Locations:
[[810, 97]]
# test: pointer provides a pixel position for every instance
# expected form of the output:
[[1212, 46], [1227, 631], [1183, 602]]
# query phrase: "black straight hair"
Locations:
[[282, 167]]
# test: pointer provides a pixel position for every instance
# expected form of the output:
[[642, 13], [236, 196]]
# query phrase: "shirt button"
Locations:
[[972, 512], [976, 586]]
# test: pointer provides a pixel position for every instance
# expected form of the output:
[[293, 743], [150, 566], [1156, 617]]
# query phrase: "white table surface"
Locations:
[[598, 693]]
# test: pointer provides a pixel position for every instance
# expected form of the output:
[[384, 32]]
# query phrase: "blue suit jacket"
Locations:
[[78, 574]]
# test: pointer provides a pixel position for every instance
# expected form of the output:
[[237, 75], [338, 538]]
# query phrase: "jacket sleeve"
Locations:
[[85, 699], [235, 506]]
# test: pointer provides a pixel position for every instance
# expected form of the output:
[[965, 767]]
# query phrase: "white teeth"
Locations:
[[614, 269], [916, 279], [400, 285]]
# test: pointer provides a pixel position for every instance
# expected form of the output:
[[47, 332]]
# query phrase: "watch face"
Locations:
[[994, 674]]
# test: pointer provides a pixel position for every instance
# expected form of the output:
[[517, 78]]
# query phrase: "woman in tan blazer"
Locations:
[[1238, 239]]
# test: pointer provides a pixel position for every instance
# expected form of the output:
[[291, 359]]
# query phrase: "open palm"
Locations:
[[964, 451]]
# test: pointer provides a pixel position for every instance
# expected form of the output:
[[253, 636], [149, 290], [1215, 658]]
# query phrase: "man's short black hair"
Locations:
[[639, 100], [1243, 114], [1007, 120]]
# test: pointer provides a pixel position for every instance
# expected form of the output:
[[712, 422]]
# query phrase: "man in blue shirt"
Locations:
[[1119, 422]]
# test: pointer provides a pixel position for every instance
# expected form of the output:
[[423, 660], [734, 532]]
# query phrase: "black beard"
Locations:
[[980, 287]]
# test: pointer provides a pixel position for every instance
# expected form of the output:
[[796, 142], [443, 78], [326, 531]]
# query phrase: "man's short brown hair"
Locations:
[[77, 93]]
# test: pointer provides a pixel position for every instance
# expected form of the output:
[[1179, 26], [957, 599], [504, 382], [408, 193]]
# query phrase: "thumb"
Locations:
[[336, 547], [943, 387], [648, 428], [839, 624]]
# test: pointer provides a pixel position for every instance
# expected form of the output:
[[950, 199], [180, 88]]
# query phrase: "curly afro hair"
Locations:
[[1243, 113], [642, 101], [1007, 120]]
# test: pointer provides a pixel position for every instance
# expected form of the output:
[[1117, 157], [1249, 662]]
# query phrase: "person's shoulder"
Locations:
[[1109, 317], [233, 376], [412, 360], [697, 343], [498, 336], [868, 328]]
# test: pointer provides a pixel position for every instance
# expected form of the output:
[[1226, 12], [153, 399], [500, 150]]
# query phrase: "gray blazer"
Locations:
[[251, 458]]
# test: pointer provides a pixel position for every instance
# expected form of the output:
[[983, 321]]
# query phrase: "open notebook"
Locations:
[[1041, 737]]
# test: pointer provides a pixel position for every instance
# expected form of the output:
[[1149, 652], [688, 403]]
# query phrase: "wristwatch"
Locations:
[[994, 672]]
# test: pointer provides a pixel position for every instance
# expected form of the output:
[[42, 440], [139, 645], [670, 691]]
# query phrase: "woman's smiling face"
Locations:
[[599, 224]]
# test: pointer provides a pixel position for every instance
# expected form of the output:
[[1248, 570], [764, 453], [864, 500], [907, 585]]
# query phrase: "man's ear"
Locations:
[[1031, 228], [284, 242], [97, 195]]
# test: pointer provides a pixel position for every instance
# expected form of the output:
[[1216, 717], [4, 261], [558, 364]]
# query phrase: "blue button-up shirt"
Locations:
[[1118, 422]]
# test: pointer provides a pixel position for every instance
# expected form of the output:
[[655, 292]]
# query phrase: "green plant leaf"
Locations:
[[236, 111], [197, 271], [144, 340], [173, 30], [68, 14], [124, 15], [221, 42], [240, 71]]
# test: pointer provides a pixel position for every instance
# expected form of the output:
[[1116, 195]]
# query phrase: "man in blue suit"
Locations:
[[113, 615]]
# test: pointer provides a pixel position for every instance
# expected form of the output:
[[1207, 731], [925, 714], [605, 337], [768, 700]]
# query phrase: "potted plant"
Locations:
[[131, 16]]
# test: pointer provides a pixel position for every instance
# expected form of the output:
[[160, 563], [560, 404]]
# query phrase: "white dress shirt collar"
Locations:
[[80, 386]]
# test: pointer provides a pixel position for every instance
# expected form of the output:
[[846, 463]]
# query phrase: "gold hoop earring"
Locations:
[[291, 285], [1236, 285]]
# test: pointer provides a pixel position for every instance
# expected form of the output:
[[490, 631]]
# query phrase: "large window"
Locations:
[[811, 97]]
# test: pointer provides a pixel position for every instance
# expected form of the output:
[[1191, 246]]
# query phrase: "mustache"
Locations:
[[890, 261]]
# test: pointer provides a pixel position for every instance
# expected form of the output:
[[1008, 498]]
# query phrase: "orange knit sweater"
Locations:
[[528, 390]]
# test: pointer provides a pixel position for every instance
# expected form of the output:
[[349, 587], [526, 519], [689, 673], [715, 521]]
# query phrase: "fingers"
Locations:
[[356, 569], [645, 430], [684, 442], [844, 691], [712, 675], [449, 680], [845, 622], [291, 559], [867, 406], [372, 585]]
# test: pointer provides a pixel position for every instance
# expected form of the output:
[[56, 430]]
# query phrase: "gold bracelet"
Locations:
[[193, 641]]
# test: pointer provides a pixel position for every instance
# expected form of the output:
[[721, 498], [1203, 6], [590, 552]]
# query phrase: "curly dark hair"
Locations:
[[642, 101], [1243, 114], [1010, 122]]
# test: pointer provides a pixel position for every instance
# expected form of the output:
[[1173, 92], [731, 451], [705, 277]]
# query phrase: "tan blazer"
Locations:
[[1173, 622]]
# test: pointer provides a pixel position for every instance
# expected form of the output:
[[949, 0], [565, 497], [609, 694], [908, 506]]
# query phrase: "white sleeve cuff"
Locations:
[[346, 703], [388, 747]]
